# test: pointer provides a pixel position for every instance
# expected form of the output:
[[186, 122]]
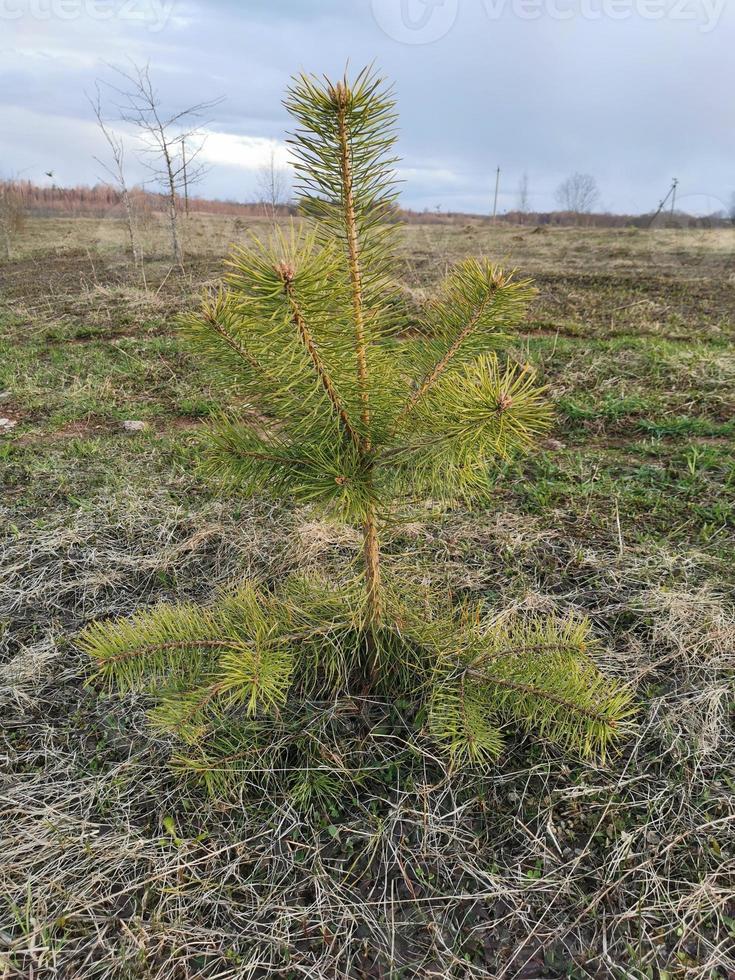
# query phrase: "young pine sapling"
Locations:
[[356, 421]]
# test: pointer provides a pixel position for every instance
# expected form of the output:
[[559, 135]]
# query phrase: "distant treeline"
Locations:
[[560, 219], [102, 200]]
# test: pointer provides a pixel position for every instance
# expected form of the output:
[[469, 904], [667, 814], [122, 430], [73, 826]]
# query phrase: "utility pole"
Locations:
[[662, 205], [495, 201]]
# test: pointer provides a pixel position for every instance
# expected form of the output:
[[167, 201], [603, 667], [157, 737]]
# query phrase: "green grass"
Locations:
[[116, 355], [626, 515]]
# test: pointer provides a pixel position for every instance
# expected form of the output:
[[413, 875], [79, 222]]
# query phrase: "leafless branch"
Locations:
[[164, 138]]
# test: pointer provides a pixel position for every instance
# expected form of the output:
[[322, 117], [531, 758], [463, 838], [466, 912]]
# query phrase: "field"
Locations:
[[110, 867]]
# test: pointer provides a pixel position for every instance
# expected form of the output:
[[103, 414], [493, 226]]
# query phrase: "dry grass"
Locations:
[[617, 252], [114, 869], [111, 867]]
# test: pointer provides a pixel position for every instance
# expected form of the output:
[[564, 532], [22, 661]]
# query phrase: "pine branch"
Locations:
[[475, 302], [470, 419], [307, 340], [537, 674], [153, 649], [442, 364], [214, 316], [460, 719], [331, 474], [539, 693], [144, 650], [359, 115]]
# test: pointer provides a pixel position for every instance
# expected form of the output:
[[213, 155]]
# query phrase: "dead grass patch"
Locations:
[[113, 868]]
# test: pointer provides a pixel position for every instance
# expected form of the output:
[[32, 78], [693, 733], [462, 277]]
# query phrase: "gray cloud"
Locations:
[[633, 98]]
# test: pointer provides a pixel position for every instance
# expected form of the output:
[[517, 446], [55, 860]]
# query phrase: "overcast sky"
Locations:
[[634, 92]]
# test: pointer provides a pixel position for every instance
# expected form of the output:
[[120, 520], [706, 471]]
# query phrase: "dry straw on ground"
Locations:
[[109, 868]]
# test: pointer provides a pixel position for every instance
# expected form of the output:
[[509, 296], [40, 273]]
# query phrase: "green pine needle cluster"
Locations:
[[341, 410], [536, 674]]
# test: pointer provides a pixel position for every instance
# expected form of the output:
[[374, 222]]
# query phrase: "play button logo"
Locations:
[[415, 21]]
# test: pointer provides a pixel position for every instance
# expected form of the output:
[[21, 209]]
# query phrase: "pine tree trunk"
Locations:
[[371, 557], [371, 541]]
